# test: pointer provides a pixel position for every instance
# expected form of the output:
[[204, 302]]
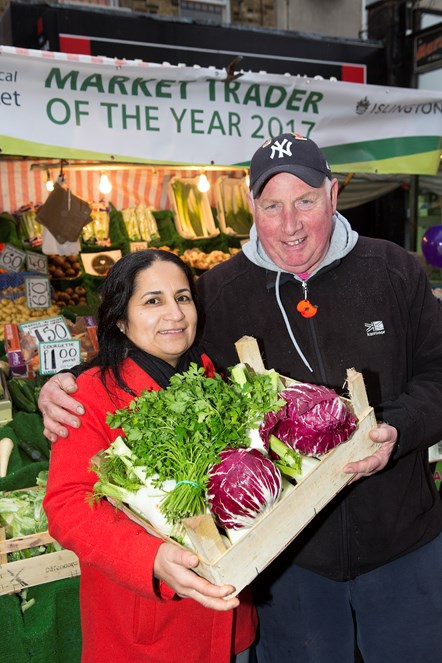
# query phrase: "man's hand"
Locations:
[[58, 407], [387, 436], [174, 566]]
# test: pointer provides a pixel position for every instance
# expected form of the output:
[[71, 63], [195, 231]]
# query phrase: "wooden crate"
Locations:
[[240, 563], [15, 576]]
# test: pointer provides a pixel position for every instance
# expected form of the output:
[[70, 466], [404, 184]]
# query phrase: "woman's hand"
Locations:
[[58, 407], [174, 566], [387, 436]]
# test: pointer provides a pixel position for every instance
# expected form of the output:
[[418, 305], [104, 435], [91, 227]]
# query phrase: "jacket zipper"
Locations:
[[314, 335]]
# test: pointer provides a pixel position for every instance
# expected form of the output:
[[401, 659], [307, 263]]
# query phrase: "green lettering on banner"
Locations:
[[252, 95], [195, 120], [216, 124], [161, 88], [55, 76], [126, 115], [58, 111], [296, 96], [94, 81], [141, 85], [231, 92], [234, 122], [109, 112], [150, 118], [118, 83], [275, 95], [312, 101], [179, 119]]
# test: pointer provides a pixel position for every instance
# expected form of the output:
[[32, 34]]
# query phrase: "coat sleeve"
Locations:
[[99, 534], [416, 411]]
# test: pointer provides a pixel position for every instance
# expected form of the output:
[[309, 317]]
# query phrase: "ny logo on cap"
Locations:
[[283, 148]]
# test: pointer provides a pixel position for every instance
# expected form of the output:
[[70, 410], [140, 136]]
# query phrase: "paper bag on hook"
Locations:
[[64, 214]]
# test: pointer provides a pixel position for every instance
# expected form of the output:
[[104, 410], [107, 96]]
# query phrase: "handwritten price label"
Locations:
[[58, 355], [47, 331], [138, 246], [38, 292], [11, 258], [36, 262]]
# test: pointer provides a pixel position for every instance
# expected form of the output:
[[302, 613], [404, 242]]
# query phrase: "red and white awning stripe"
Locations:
[[20, 185]]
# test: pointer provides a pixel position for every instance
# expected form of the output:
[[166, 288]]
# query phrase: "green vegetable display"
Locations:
[[178, 433], [22, 513]]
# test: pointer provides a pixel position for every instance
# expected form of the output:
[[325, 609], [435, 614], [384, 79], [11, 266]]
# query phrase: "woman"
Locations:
[[140, 599]]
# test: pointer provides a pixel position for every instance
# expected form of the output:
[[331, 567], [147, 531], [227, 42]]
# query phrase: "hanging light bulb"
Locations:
[[203, 183], [49, 182], [105, 186]]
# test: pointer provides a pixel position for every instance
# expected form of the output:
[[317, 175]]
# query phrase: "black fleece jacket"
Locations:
[[377, 314]]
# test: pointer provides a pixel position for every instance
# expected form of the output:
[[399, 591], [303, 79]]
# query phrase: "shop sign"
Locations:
[[83, 107], [428, 49]]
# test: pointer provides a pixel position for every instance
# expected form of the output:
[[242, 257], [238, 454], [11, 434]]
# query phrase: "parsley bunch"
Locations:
[[177, 433]]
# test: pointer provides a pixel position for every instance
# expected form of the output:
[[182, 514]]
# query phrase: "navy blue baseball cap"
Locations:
[[288, 153]]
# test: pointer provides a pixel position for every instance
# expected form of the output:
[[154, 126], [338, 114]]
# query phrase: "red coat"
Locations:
[[124, 617]]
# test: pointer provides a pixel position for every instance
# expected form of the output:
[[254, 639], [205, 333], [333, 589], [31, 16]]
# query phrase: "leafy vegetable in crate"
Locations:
[[242, 487], [313, 421], [177, 433], [22, 513]]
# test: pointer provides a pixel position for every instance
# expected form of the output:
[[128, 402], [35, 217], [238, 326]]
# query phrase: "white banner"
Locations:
[[83, 107]]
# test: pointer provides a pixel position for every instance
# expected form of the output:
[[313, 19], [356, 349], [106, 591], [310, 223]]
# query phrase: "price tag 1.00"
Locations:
[[11, 258], [48, 330], [36, 262], [38, 292], [58, 355]]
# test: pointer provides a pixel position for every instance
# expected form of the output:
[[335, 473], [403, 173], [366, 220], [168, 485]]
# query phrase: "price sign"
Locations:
[[35, 262], [38, 292], [47, 331], [138, 246], [58, 355], [11, 258]]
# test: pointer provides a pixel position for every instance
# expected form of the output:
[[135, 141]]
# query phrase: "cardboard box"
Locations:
[[14, 351], [240, 563], [15, 576]]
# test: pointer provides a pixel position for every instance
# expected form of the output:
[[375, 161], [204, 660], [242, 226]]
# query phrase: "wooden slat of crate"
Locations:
[[15, 576]]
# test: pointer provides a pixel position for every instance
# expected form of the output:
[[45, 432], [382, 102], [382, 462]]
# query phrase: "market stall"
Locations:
[[102, 157]]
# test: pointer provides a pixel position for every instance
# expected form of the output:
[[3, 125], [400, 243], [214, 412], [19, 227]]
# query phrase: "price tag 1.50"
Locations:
[[47, 331], [36, 262], [58, 355], [38, 292], [11, 258]]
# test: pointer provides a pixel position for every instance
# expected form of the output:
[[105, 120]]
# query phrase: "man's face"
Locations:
[[294, 221]]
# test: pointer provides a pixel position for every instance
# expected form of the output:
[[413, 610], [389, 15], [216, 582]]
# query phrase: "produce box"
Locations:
[[192, 211], [234, 213], [243, 560], [37, 570]]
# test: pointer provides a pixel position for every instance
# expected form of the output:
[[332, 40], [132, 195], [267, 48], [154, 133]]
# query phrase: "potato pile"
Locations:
[[15, 310], [64, 267], [200, 260]]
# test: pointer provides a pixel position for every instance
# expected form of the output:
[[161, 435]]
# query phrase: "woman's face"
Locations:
[[161, 314]]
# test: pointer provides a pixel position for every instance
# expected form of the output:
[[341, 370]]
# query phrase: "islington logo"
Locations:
[[429, 108], [362, 106], [374, 328]]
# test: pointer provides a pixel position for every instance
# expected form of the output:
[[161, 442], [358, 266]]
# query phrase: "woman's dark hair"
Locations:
[[116, 292]]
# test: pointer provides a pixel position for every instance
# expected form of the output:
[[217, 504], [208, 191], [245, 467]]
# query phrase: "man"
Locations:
[[320, 299]]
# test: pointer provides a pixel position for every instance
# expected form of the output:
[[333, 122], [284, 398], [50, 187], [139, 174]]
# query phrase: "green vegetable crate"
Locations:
[[33, 569], [240, 563]]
